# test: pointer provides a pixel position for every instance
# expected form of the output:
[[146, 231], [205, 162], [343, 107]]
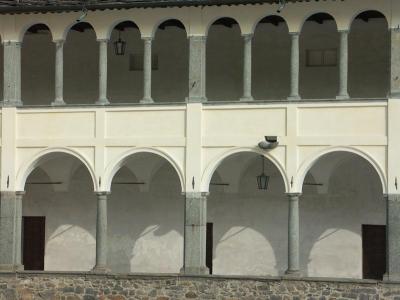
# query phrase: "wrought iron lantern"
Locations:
[[262, 179], [119, 45]]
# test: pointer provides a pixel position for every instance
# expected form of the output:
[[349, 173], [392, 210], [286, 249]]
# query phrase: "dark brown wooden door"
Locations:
[[33, 242], [374, 251], [209, 246]]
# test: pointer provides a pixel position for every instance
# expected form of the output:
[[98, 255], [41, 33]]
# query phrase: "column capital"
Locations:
[[59, 42], [294, 34], [102, 193], [147, 39], [396, 29], [290, 195], [344, 31], [247, 36], [197, 38], [20, 193], [195, 194], [12, 43], [103, 40], [392, 197]]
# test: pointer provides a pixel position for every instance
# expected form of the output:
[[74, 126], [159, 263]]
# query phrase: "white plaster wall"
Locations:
[[145, 221], [368, 64], [250, 226]]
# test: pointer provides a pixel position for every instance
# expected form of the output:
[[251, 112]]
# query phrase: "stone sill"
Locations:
[[155, 276], [208, 103]]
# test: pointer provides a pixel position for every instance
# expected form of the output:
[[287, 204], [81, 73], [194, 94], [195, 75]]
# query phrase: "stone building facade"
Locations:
[[148, 162]]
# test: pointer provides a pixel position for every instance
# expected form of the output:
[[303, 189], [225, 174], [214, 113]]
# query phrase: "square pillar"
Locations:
[[197, 69], [12, 73], [392, 237], [395, 64], [11, 231], [195, 234]]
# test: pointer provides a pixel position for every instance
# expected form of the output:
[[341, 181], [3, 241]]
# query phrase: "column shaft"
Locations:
[[103, 44], [197, 69], [147, 71], [343, 66], [247, 47], [59, 74], [10, 231], [195, 234], [294, 68], [395, 64], [12, 73], [101, 233], [293, 236]]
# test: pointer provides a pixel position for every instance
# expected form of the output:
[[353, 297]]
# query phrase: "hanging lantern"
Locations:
[[262, 179], [119, 45]]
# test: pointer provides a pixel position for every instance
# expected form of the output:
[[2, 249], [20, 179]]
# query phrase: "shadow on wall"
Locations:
[[250, 225], [146, 221], [331, 215], [70, 211]]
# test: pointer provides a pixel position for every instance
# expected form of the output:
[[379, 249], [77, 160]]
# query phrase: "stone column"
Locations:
[[247, 38], [343, 65], [59, 74], [195, 234], [293, 236], [294, 67], [147, 71], [392, 237], [197, 69], [101, 233], [12, 73], [395, 64], [10, 230], [103, 44]]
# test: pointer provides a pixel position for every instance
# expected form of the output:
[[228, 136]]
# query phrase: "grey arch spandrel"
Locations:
[[247, 213], [353, 197]]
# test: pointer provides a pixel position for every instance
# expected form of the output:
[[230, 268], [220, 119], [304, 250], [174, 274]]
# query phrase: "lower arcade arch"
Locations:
[[59, 192], [145, 216], [342, 196], [249, 225]]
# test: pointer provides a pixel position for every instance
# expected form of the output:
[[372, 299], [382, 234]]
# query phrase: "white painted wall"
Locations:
[[250, 226], [368, 64]]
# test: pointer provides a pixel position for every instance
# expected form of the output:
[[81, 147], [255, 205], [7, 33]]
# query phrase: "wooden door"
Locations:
[[33, 242], [374, 251], [209, 246]]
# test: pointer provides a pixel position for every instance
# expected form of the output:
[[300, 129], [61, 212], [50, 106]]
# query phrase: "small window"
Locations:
[[321, 58], [136, 62]]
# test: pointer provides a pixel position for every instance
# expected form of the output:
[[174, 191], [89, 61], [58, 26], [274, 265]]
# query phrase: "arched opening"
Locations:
[[81, 65], [342, 193], [319, 57], [59, 191], [249, 224], [146, 216], [224, 61], [369, 56], [125, 70], [271, 59], [37, 66], [170, 62]]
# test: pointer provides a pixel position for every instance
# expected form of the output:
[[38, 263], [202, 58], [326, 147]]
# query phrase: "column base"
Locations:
[[342, 97], [246, 99], [292, 274], [11, 268], [195, 271], [196, 99], [102, 102], [394, 95], [12, 103], [58, 103], [101, 269], [147, 101], [294, 98]]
